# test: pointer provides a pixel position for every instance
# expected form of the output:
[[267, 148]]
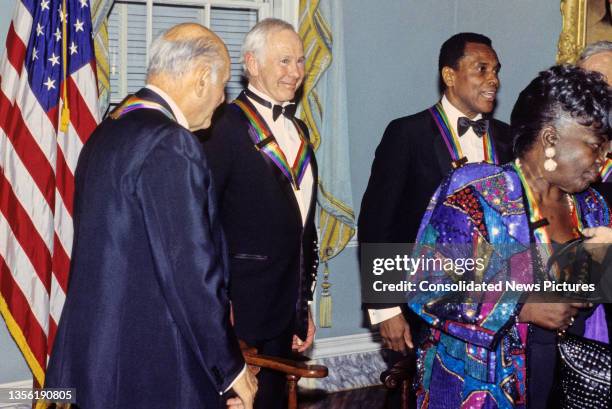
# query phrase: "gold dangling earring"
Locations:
[[550, 164]]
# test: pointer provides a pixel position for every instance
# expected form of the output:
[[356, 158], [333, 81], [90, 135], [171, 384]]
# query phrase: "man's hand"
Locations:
[[395, 333], [553, 316], [246, 388], [234, 403], [301, 346]]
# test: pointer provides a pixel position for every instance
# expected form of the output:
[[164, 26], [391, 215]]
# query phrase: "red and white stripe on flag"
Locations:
[[48, 61]]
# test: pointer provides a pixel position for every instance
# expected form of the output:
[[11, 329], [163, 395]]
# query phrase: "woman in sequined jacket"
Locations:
[[479, 350]]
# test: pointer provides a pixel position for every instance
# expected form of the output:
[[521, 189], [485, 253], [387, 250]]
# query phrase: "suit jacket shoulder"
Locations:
[[501, 125], [413, 119], [409, 126], [502, 139], [231, 116]]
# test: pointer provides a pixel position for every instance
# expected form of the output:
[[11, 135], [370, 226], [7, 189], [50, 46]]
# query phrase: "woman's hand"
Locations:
[[553, 316], [598, 244], [601, 235]]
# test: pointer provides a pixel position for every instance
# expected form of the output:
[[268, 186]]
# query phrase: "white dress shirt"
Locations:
[[289, 142], [472, 148], [471, 144]]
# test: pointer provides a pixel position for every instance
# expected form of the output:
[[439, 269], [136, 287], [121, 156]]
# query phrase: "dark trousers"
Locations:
[[419, 331], [542, 363], [272, 384]]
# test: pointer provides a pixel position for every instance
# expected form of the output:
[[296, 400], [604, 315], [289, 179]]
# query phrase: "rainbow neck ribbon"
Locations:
[[452, 140], [134, 103], [266, 143], [535, 213], [606, 170]]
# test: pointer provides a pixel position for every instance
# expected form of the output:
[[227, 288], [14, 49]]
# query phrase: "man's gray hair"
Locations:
[[595, 48], [177, 57], [255, 40]]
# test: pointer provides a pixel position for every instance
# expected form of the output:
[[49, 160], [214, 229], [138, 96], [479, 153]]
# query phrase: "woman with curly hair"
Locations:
[[478, 353]]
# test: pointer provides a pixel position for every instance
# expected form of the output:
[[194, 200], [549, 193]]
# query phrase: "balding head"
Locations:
[[184, 47], [189, 31], [598, 57], [191, 64]]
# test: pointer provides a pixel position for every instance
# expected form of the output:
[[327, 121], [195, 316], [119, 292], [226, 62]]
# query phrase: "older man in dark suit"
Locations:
[[265, 173], [146, 320], [417, 151]]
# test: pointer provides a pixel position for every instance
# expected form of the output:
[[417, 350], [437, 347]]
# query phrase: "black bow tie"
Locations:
[[287, 110], [480, 127]]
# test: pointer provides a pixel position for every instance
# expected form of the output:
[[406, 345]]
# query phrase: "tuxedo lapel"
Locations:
[[277, 173], [314, 168], [498, 146], [440, 148]]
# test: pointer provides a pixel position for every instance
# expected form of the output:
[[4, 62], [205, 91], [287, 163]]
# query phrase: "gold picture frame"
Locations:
[[573, 31], [584, 21]]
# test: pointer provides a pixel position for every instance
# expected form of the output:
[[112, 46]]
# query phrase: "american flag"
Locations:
[[48, 41]]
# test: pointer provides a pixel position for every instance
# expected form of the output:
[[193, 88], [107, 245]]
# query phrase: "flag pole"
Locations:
[[65, 115]]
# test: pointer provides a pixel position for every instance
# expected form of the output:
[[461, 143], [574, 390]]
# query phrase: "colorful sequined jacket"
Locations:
[[474, 356]]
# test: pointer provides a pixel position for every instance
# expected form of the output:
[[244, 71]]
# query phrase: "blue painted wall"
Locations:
[[391, 59], [392, 51], [6, 13]]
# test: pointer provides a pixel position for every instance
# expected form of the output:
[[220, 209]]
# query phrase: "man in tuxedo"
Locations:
[[417, 151], [146, 319], [598, 57], [265, 174]]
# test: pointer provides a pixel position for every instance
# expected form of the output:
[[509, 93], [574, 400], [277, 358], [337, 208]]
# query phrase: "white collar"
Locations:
[[453, 114], [261, 94], [178, 114]]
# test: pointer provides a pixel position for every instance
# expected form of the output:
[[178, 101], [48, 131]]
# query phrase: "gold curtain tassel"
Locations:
[[325, 308]]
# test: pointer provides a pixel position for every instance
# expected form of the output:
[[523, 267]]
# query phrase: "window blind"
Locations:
[[127, 30]]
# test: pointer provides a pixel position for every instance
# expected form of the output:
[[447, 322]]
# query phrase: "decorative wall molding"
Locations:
[[26, 383], [354, 361], [346, 345]]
